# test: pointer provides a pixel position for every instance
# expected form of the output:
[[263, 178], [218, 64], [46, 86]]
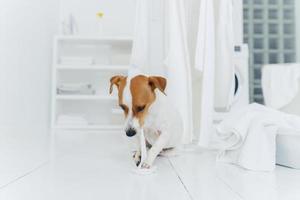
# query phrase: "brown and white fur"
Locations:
[[146, 106]]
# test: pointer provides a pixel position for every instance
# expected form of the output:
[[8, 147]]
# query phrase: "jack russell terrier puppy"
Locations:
[[146, 106]]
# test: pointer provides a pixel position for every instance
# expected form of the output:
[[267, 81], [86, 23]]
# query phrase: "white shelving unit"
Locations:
[[91, 60]]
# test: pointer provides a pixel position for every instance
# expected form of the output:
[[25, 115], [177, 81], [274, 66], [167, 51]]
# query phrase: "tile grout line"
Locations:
[[181, 181], [24, 175], [230, 188]]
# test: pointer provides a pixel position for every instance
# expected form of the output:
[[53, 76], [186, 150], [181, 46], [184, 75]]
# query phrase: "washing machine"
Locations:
[[240, 84]]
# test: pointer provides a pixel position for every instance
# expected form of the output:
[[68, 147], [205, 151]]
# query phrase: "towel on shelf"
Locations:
[[247, 137], [280, 83], [75, 88]]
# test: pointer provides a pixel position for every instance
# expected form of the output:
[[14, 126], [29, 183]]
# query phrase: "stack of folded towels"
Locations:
[[75, 88]]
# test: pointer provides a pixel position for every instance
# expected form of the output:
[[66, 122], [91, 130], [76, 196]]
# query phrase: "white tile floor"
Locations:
[[92, 166]]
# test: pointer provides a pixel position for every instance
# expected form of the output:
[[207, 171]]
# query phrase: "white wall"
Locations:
[[26, 33], [118, 15]]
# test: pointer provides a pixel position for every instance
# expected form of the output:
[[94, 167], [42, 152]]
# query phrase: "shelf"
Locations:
[[91, 127], [101, 38], [94, 67], [101, 58], [85, 97], [95, 40]]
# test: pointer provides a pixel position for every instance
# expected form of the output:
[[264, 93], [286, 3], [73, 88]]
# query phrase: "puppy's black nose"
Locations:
[[130, 132]]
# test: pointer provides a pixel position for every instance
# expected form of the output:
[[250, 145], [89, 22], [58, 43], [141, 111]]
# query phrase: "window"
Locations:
[[258, 91], [288, 28], [270, 30], [273, 14], [246, 13], [290, 2], [288, 14], [257, 73], [246, 28], [258, 1], [273, 58], [289, 43], [259, 100], [258, 14], [273, 28], [258, 58], [273, 2], [258, 43], [273, 43], [258, 28], [289, 58]]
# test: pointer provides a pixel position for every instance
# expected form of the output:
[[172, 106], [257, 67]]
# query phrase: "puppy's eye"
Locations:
[[123, 107], [140, 108]]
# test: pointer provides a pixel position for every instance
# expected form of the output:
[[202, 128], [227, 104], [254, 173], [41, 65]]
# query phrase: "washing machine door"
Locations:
[[238, 85]]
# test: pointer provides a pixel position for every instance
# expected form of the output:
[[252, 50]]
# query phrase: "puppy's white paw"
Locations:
[[137, 157], [145, 165]]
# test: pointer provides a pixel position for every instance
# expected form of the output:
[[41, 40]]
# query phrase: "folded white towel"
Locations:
[[248, 137], [280, 84], [75, 88]]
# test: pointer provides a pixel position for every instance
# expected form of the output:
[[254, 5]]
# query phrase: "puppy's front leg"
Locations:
[[156, 148], [137, 153]]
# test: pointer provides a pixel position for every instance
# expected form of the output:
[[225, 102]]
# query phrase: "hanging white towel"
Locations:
[[224, 72], [205, 62], [178, 65], [205, 49], [280, 84], [247, 137]]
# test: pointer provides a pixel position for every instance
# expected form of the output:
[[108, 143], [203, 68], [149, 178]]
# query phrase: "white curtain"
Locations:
[[178, 64], [214, 59], [140, 60], [224, 90], [175, 58], [205, 62], [213, 56]]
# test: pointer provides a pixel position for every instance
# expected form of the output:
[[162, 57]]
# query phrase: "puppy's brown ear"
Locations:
[[158, 82], [115, 80]]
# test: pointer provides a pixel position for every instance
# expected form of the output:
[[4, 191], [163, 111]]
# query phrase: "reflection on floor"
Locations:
[[90, 166]]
